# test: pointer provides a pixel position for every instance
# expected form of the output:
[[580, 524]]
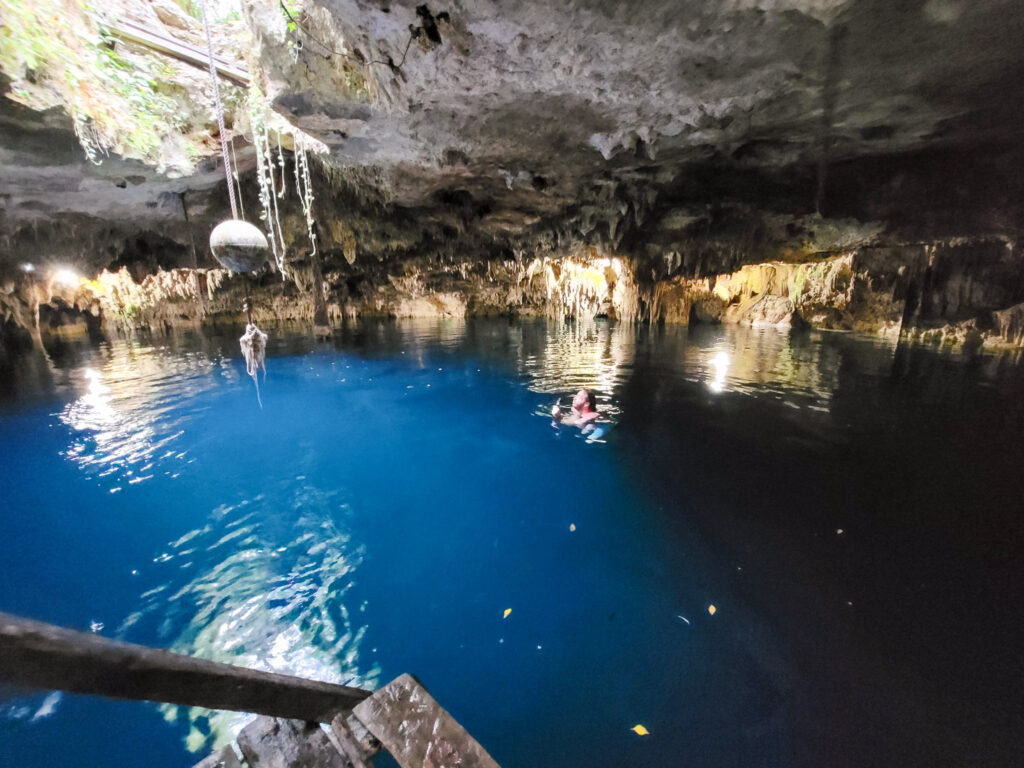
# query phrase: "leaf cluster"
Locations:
[[59, 52]]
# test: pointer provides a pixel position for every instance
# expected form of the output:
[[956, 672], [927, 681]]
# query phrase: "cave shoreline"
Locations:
[[962, 293]]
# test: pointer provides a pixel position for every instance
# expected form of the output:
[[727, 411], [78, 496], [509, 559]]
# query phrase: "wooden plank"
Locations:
[[417, 731], [273, 742], [168, 46], [358, 752], [38, 655]]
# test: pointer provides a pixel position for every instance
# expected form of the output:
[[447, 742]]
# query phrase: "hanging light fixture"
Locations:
[[239, 246]]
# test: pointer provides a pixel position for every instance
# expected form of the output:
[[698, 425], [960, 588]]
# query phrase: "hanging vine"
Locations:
[[271, 173], [265, 181], [274, 194], [280, 162], [304, 187], [269, 214]]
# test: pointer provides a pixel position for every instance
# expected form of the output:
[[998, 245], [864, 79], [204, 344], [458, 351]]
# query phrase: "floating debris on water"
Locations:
[[572, 526], [507, 612], [639, 730], [678, 616], [712, 609]]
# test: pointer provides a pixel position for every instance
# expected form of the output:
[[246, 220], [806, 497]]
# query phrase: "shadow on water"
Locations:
[[865, 504]]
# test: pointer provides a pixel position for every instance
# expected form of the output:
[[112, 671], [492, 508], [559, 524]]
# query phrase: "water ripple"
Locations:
[[265, 588], [134, 408]]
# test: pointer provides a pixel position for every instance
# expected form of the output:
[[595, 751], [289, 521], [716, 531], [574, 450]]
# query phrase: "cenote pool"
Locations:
[[852, 511]]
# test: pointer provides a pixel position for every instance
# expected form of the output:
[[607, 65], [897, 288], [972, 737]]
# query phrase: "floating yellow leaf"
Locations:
[[507, 612], [639, 730], [712, 609]]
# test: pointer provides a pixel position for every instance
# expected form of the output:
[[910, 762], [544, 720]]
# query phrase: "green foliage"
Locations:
[[130, 313], [151, 113], [355, 83], [290, 11], [57, 52]]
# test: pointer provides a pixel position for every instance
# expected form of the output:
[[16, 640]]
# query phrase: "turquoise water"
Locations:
[[851, 511]]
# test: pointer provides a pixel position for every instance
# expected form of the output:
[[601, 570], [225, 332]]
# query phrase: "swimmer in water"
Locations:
[[583, 414]]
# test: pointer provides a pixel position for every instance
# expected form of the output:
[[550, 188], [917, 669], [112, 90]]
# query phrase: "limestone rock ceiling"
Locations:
[[58, 206], [534, 123], [44, 173], [527, 94]]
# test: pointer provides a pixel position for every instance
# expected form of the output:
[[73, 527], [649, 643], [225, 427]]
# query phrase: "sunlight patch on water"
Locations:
[[31, 707], [266, 589], [131, 412], [720, 367]]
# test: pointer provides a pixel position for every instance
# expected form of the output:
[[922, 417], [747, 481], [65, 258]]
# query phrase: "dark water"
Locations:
[[853, 512]]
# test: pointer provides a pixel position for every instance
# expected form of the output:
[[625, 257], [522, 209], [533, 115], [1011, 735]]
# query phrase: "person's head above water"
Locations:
[[584, 410], [585, 404]]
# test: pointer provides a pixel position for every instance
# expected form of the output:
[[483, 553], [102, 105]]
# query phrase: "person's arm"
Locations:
[[571, 419]]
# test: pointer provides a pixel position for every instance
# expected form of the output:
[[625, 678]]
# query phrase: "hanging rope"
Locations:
[[238, 181], [254, 345], [254, 341], [254, 350], [220, 114]]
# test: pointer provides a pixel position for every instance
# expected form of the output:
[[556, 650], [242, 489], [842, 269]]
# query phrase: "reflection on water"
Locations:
[[125, 388], [132, 409], [802, 369], [579, 355], [263, 584], [559, 359], [835, 497]]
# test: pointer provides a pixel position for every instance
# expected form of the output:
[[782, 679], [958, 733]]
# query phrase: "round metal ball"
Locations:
[[239, 246]]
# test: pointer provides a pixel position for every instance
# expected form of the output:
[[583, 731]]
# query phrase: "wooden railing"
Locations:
[[402, 716], [155, 41], [37, 655]]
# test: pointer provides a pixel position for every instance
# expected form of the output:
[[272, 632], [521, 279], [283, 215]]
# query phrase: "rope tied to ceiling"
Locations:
[[235, 243]]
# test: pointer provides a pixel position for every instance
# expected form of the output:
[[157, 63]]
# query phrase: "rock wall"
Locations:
[[805, 163], [959, 292]]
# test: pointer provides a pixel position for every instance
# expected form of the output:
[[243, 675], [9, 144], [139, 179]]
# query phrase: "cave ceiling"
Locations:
[[507, 121]]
